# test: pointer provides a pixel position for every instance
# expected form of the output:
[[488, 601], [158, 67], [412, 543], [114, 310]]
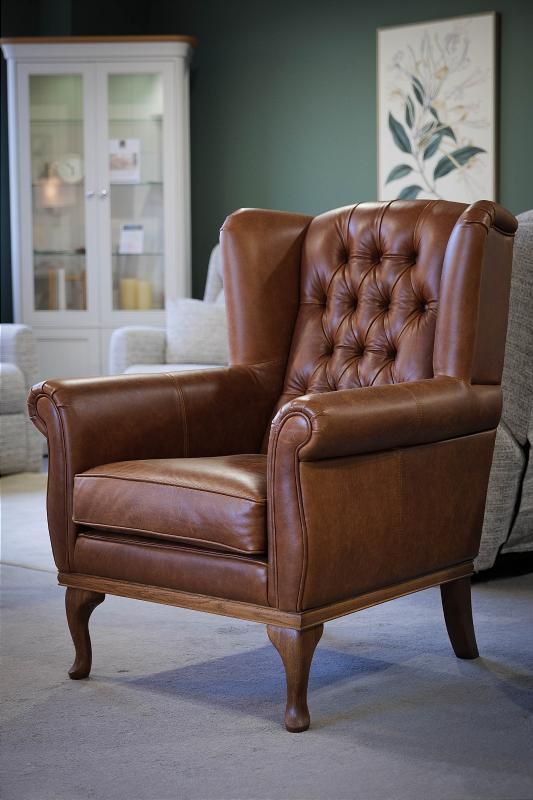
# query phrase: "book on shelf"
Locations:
[[131, 240]]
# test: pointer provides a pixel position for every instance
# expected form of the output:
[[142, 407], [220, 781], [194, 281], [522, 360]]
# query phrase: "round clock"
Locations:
[[70, 168]]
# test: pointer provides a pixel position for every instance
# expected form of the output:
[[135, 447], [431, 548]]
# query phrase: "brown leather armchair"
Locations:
[[340, 461]]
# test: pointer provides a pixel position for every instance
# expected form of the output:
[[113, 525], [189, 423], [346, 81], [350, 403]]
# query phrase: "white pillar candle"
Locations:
[[61, 289], [144, 295]]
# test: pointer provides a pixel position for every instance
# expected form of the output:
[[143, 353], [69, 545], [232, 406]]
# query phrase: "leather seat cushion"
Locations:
[[213, 503]]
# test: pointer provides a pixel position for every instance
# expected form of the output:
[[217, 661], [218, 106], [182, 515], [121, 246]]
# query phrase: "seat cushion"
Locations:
[[213, 503]]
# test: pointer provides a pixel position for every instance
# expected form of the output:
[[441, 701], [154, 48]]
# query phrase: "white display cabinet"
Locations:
[[99, 187]]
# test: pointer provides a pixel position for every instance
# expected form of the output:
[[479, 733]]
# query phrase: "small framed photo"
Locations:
[[131, 240], [437, 110], [124, 160]]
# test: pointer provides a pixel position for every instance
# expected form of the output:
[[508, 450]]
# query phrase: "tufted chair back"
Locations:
[[367, 295], [369, 292]]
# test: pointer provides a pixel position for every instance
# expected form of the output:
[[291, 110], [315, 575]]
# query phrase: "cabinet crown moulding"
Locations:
[[192, 40]]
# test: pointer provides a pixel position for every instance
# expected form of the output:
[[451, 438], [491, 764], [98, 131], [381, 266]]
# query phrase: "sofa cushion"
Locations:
[[517, 380], [213, 503], [196, 332]]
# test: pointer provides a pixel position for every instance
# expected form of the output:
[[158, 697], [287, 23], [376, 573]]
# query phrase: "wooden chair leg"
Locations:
[[457, 607], [296, 649], [80, 604]]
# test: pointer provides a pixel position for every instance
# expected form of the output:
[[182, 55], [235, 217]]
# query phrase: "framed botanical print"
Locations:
[[436, 110]]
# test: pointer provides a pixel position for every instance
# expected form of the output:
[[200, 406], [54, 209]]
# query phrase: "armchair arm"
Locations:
[[136, 345], [374, 418], [97, 421], [376, 485]]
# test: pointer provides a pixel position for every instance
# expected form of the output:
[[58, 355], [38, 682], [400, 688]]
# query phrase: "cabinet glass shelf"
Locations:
[[144, 121], [69, 253], [80, 185]]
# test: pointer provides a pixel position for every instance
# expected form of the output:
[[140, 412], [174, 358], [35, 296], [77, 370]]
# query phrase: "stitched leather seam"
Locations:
[[349, 219], [270, 507], [305, 541], [372, 323], [301, 513], [48, 486], [339, 325], [380, 370], [423, 213], [167, 536], [412, 316], [350, 361], [68, 471], [418, 408], [251, 365], [271, 501], [337, 268], [162, 546], [272, 497], [309, 381], [385, 208], [400, 275], [181, 403], [171, 485], [478, 222]]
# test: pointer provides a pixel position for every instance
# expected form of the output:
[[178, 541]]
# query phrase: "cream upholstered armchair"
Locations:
[[341, 460], [142, 348], [21, 447]]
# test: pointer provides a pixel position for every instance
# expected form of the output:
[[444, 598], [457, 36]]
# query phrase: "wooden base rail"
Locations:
[[264, 614]]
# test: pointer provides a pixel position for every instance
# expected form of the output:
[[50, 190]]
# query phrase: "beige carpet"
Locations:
[[188, 706]]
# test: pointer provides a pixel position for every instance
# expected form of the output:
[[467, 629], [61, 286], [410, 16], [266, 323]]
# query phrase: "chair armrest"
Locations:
[[136, 345], [345, 468], [92, 422], [370, 419], [17, 346]]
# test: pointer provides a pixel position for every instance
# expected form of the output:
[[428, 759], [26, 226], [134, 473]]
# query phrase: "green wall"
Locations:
[[283, 97]]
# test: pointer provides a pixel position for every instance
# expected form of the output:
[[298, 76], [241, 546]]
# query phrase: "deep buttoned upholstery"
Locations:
[[369, 297]]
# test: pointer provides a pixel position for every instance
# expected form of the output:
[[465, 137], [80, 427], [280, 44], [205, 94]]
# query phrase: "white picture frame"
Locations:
[[124, 161], [436, 109]]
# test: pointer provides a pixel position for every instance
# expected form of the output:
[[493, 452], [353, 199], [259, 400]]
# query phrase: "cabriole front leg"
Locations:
[[296, 649], [457, 607], [80, 604]]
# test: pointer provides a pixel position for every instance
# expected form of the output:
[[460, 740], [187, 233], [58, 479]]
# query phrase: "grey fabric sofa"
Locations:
[[142, 348], [508, 524], [21, 446]]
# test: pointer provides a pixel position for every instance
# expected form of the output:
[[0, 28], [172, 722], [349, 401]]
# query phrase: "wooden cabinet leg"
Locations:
[[80, 604], [296, 649], [457, 607]]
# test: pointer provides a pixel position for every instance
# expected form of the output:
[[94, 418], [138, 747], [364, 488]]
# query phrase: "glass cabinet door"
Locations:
[[58, 192], [135, 112]]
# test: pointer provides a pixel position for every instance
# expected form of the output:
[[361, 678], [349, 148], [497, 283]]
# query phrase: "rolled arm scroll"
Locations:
[[328, 458], [371, 419]]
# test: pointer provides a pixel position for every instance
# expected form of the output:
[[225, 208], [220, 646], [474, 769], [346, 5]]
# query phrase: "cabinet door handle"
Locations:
[[103, 193], [89, 194]]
